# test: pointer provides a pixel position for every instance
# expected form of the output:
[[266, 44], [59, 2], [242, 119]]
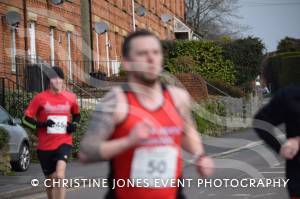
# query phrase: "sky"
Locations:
[[270, 20]]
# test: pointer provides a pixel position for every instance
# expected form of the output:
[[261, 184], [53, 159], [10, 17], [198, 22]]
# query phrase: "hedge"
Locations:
[[4, 137], [246, 54], [291, 72], [281, 70], [5, 167], [219, 87], [200, 57], [82, 127], [17, 101]]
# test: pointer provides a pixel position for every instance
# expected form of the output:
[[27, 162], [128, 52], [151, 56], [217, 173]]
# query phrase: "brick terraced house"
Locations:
[[64, 33]]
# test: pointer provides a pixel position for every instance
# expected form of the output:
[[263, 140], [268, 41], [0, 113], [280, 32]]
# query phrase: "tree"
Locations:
[[211, 18], [246, 54], [288, 44]]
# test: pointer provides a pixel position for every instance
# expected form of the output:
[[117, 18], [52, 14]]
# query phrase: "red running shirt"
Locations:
[[159, 157], [48, 105]]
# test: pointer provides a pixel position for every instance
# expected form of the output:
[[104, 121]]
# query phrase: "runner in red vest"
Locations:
[[54, 113], [142, 126]]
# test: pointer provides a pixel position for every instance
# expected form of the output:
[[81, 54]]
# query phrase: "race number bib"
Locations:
[[150, 163], [60, 126]]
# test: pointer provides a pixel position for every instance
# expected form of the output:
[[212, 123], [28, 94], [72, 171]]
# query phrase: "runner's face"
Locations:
[[56, 84], [145, 59]]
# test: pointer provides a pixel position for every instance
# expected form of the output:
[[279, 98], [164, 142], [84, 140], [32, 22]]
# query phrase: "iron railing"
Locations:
[[16, 87], [87, 98], [14, 97], [79, 71]]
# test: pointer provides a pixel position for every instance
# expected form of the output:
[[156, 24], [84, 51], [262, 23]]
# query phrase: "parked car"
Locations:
[[18, 141]]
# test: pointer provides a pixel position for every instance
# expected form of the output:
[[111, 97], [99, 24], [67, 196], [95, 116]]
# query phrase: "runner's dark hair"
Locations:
[[52, 72], [133, 35]]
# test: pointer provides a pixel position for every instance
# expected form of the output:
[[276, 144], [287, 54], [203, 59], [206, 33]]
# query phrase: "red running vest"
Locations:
[[159, 157]]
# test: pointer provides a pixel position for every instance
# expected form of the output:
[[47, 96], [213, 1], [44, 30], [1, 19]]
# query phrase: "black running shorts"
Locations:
[[49, 158]]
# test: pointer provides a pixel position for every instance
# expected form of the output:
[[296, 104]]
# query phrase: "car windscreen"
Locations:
[[4, 117]]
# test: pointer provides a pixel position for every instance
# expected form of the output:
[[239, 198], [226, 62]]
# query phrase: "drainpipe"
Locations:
[[25, 27], [86, 30], [133, 14], [91, 35]]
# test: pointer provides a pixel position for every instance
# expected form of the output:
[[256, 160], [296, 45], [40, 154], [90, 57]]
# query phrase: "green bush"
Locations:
[[281, 70], [122, 72], [4, 137], [203, 123], [82, 127], [16, 102], [291, 72], [206, 55], [181, 64], [224, 88], [246, 54], [288, 44], [5, 167]]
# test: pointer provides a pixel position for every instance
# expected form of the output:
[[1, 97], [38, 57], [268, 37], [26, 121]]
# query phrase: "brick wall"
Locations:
[[194, 84], [68, 18], [118, 15], [63, 19], [5, 36]]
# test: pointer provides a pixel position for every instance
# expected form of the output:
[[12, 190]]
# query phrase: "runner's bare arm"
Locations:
[[191, 141], [95, 145]]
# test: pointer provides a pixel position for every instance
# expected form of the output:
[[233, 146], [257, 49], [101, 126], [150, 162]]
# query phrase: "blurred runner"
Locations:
[[142, 126], [284, 108], [54, 113]]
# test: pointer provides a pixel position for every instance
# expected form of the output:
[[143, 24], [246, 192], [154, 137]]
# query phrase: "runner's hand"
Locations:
[[48, 123], [205, 166], [71, 128], [290, 148], [139, 132]]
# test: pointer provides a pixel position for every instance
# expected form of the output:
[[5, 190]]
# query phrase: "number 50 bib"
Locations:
[[150, 163]]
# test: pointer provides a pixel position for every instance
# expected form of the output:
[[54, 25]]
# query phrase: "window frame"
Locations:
[[69, 53], [13, 48], [32, 38], [52, 46]]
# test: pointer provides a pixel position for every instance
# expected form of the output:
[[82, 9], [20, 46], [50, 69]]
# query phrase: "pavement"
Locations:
[[238, 155]]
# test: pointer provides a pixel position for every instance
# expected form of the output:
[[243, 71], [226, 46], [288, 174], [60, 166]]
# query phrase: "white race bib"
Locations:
[[60, 126], [150, 163]]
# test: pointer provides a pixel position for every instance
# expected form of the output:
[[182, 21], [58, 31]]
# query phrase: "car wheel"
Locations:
[[23, 161]]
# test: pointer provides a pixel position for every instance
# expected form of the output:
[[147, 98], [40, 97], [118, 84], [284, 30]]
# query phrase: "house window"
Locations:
[[52, 47], [32, 46], [13, 48], [69, 58]]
